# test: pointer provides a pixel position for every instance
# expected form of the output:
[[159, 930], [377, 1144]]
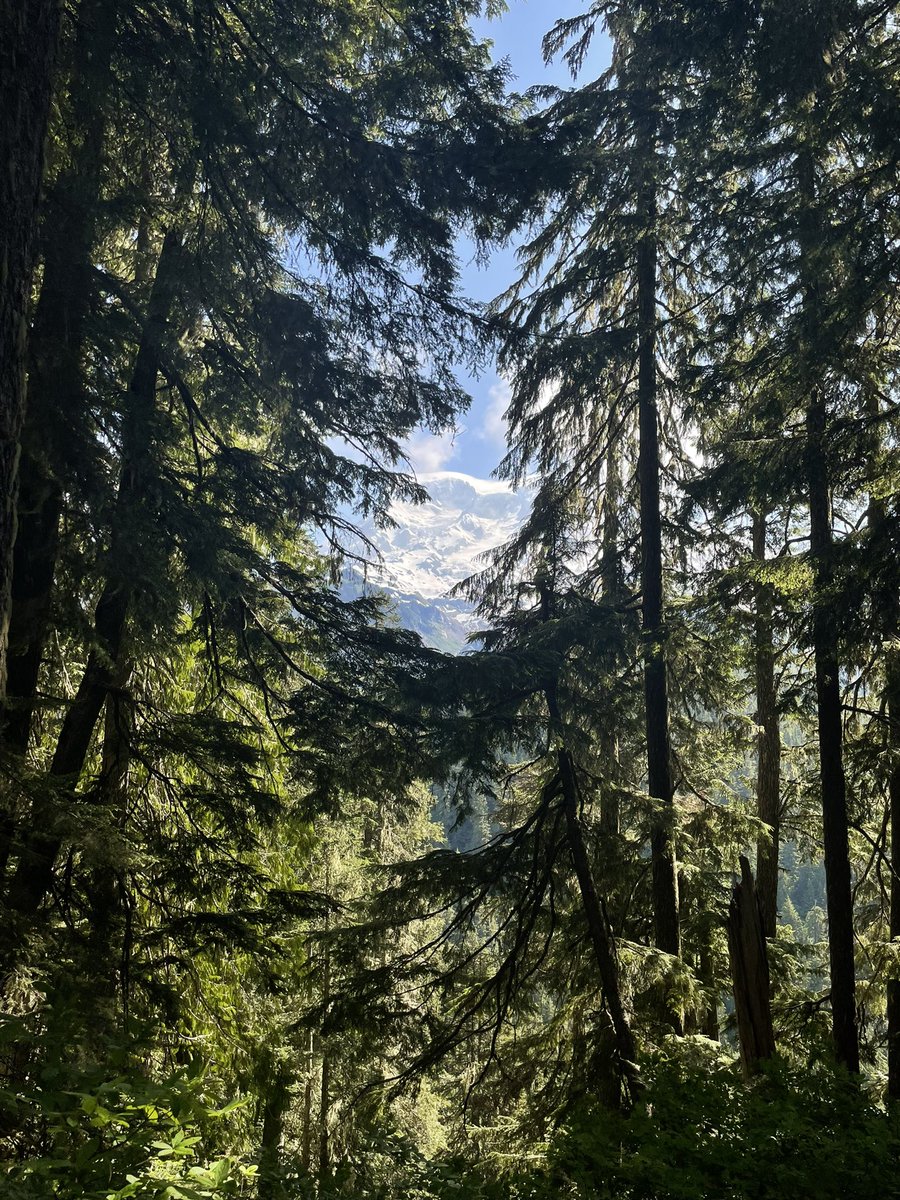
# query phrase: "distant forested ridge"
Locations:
[[295, 904]]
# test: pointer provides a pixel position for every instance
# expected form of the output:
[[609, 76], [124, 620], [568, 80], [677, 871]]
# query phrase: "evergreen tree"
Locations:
[[797, 286], [28, 35]]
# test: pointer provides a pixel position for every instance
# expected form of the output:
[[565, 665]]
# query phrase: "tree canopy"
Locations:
[[294, 904]]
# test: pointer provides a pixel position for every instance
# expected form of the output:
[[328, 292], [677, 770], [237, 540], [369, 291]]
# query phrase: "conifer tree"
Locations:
[[28, 36], [797, 286], [586, 349], [246, 269]]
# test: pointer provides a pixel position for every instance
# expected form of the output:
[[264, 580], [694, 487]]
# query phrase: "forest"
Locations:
[[295, 905]]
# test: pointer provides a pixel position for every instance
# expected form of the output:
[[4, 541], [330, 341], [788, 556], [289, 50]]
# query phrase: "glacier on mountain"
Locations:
[[433, 546]]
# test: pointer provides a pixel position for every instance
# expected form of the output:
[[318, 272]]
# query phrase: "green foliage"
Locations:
[[702, 1134], [256, 831], [124, 1137], [707, 1135]]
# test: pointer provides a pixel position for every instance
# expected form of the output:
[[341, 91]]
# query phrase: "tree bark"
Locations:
[[29, 33], [660, 783], [893, 987], [105, 883], [611, 574], [55, 362], [768, 742], [750, 973], [325, 1084], [276, 1102], [838, 883], [887, 607], [33, 875]]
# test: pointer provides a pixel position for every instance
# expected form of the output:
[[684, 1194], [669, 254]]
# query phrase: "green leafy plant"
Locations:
[[126, 1137]]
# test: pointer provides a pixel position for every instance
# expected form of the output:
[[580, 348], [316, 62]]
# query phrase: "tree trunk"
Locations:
[[768, 742], [887, 606], [750, 973], [306, 1141], [838, 884], [276, 1102], [710, 1017], [324, 1112], [33, 875], [55, 362], [105, 884], [660, 783], [893, 987], [29, 32], [325, 1089], [611, 573]]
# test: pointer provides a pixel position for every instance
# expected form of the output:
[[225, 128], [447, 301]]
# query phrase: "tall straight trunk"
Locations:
[[660, 781], [768, 742], [105, 884], [33, 875], [893, 987], [29, 33], [55, 362], [611, 574], [833, 784], [306, 1139], [888, 614], [324, 1113], [325, 1084]]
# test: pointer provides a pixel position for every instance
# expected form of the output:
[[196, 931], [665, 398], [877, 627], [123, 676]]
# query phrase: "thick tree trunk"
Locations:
[[656, 698], [29, 31], [37, 544], [750, 973], [768, 742], [838, 883], [33, 875], [55, 362]]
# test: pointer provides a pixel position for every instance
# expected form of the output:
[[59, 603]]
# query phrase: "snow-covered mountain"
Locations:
[[435, 545]]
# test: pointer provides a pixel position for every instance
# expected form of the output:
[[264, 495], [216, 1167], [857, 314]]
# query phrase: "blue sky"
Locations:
[[477, 445]]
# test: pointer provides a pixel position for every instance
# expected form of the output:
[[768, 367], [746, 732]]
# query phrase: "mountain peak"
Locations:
[[435, 545]]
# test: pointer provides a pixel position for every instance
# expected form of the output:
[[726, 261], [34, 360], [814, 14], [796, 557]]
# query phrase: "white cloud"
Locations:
[[494, 427], [429, 451]]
